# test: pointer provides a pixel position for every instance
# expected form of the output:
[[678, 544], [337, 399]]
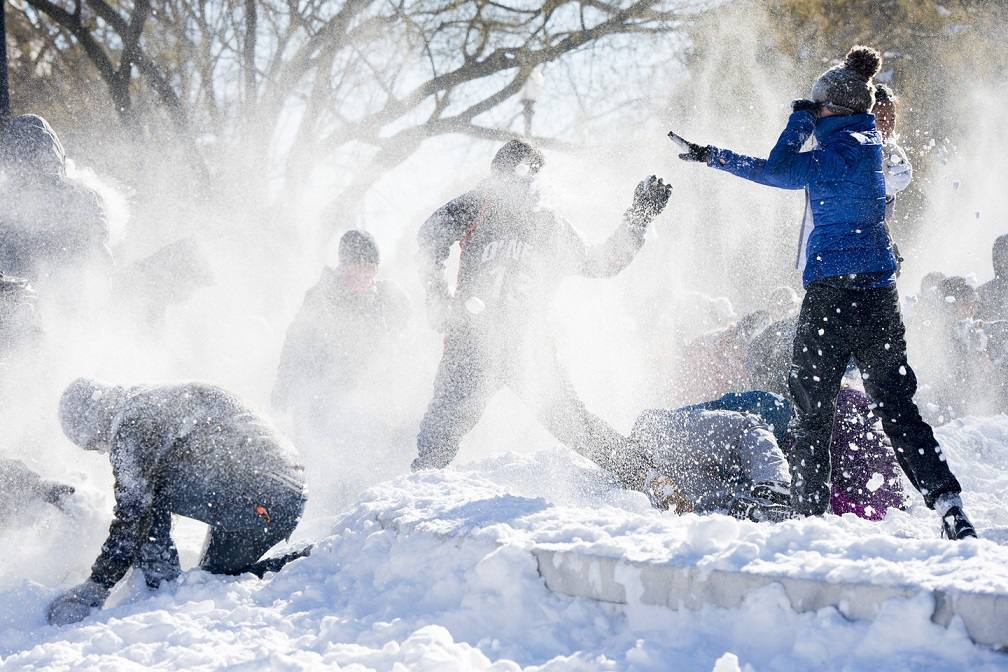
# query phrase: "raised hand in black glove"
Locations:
[[804, 105], [690, 151], [650, 198]]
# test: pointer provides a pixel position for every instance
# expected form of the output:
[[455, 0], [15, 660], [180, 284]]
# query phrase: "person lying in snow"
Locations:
[[193, 450], [851, 306], [866, 478], [514, 255], [21, 488], [707, 461]]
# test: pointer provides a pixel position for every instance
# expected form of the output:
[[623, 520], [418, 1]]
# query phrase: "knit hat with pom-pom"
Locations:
[[847, 88]]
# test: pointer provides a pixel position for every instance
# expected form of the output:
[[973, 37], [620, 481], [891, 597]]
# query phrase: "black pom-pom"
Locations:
[[863, 60]]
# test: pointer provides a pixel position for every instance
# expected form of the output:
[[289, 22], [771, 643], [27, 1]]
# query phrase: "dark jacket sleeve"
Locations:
[[447, 226], [787, 167], [135, 466], [604, 259], [302, 351]]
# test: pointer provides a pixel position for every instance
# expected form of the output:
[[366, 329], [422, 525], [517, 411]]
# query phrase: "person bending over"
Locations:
[[193, 450]]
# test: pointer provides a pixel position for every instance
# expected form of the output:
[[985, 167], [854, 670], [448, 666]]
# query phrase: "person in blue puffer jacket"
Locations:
[[851, 307]]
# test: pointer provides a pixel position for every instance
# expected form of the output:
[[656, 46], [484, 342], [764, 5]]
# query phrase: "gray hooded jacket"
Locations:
[[165, 441], [713, 456]]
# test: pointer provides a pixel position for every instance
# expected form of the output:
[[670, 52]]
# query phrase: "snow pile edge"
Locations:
[[620, 581]]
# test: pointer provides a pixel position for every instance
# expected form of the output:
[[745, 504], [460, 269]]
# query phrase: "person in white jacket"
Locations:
[[896, 167]]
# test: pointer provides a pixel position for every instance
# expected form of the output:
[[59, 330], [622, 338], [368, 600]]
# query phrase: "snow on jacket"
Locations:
[[337, 336], [713, 456], [845, 189], [514, 253], [866, 480], [164, 437]]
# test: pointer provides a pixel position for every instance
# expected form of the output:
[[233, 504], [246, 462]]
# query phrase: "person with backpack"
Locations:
[[496, 322], [851, 306]]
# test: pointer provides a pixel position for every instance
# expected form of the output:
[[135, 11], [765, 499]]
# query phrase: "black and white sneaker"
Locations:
[[955, 525]]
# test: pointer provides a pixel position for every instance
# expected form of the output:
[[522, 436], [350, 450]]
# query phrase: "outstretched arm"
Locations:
[[612, 256], [787, 167]]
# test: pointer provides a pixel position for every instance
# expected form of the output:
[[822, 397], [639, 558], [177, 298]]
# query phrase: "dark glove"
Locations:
[[159, 562], [805, 105], [77, 603], [650, 198], [690, 151]]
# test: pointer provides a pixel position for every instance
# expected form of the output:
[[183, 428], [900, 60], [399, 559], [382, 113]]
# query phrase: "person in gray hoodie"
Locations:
[[194, 450], [707, 461]]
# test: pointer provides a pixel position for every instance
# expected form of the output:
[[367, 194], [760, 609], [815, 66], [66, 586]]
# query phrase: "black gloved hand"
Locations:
[[650, 197], [805, 105], [691, 151], [75, 604]]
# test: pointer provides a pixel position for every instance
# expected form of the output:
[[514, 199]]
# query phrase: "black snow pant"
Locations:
[[247, 516], [836, 324], [469, 376]]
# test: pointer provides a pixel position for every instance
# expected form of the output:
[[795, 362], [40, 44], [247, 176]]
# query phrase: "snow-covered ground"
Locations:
[[434, 572]]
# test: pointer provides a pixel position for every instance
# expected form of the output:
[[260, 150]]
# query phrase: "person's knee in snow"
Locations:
[[194, 450]]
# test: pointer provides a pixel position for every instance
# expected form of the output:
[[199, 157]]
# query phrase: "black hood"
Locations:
[[29, 145]]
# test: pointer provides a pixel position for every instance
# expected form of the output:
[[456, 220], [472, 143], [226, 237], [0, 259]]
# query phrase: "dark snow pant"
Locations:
[[835, 324], [467, 379], [246, 516]]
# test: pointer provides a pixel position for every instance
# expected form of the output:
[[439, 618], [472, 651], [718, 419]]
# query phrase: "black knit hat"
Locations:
[[513, 153], [358, 247], [847, 88]]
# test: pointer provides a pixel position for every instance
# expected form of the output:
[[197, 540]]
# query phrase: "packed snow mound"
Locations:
[[435, 571]]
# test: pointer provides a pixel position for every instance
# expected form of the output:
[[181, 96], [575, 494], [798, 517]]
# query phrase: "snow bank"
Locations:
[[436, 572]]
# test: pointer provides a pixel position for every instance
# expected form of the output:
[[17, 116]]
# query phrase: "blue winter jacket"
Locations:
[[845, 188]]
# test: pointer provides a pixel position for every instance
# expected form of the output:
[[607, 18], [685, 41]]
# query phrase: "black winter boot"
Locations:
[[955, 525]]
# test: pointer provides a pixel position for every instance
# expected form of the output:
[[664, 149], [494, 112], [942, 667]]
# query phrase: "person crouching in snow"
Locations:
[[514, 255], [851, 306], [193, 450], [714, 462]]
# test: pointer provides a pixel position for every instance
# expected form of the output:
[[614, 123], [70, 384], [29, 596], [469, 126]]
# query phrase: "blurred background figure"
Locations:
[[993, 294], [53, 230], [23, 489], [337, 376], [769, 352], [717, 362]]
